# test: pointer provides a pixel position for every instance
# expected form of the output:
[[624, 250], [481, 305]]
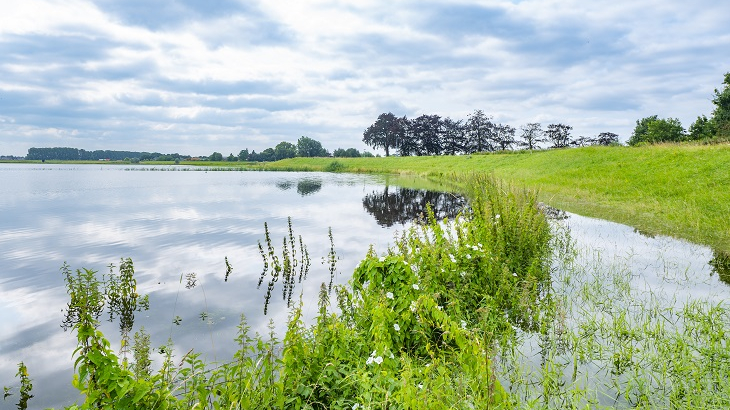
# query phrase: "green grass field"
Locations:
[[677, 190]]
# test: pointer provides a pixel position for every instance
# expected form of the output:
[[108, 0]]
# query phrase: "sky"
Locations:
[[194, 77]]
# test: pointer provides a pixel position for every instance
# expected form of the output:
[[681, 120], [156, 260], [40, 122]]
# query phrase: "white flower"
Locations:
[[496, 216], [415, 286], [463, 324], [480, 245], [369, 361], [453, 260], [378, 359], [420, 385], [355, 406], [413, 306], [389, 295], [391, 355], [439, 307], [396, 326], [468, 256], [514, 274], [373, 353]]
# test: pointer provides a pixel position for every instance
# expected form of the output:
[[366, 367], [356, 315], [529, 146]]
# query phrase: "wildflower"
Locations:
[[453, 260], [496, 216], [413, 306], [468, 256], [439, 307], [391, 355], [389, 295], [463, 324], [355, 406], [396, 326], [514, 274], [369, 361], [480, 245], [415, 286], [378, 360], [420, 386]]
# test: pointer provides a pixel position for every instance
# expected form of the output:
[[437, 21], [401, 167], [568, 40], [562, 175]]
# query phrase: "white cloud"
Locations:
[[246, 75]]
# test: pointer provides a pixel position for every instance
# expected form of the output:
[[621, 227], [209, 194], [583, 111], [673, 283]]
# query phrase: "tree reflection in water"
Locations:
[[402, 205], [720, 264], [305, 186]]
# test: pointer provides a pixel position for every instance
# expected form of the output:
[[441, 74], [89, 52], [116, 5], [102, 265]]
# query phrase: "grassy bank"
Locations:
[[681, 191]]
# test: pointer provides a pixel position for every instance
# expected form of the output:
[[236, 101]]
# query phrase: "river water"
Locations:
[[177, 221]]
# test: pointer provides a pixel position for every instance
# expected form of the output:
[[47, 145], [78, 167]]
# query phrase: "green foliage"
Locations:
[[654, 130], [216, 156], [702, 129], [335, 166], [308, 147], [284, 150], [721, 114], [26, 386]]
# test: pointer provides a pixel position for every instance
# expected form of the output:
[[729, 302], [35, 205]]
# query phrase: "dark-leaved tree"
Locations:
[[532, 135], [387, 132], [558, 135]]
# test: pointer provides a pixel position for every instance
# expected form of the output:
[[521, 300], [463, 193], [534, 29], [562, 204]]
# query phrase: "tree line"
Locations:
[[305, 147], [436, 135], [75, 154], [653, 129]]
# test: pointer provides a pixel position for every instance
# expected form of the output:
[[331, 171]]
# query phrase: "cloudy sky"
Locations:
[[193, 76]]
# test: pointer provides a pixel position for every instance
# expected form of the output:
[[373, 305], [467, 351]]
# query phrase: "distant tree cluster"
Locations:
[[75, 154], [653, 129], [435, 135], [305, 147]]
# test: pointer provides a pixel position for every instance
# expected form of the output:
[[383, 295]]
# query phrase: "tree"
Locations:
[[284, 150], [532, 134], [479, 132], [663, 130], [216, 156], [346, 153], [232, 158], [504, 136], [703, 128], [558, 135], [387, 132], [425, 131], [721, 114], [307, 147], [243, 155], [453, 137], [642, 127], [606, 139]]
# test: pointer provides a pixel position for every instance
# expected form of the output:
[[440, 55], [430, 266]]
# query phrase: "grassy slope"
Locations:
[[682, 191]]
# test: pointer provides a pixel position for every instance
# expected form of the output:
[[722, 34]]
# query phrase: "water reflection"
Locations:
[[720, 264], [395, 205], [305, 186]]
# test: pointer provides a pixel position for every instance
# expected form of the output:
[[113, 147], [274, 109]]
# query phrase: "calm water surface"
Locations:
[[173, 223]]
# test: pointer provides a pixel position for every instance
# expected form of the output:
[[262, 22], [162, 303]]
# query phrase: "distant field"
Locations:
[[676, 190]]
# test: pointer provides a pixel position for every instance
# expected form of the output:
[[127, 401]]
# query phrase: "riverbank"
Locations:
[[675, 190]]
